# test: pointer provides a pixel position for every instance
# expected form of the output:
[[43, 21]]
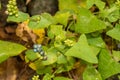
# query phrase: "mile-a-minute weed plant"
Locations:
[[76, 31]]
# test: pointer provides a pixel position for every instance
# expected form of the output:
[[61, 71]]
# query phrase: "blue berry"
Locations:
[[39, 49], [35, 50]]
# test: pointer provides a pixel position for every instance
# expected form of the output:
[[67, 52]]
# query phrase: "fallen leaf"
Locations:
[[25, 33]]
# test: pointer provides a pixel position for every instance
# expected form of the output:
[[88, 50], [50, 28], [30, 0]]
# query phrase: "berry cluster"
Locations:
[[38, 48], [12, 8], [35, 77], [36, 19], [69, 42]]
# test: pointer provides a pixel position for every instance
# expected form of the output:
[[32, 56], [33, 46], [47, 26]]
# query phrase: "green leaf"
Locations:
[[9, 49], [49, 17], [97, 42], [62, 17], [31, 55], [21, 17], [61, 78], [68, 4], [113, 13], [100, 4], [66, 67], [61, 59], [96, 50], [116, 55], [91, 73], [114, 16], [107, 66], [82, 50], [46, 69], [51, 57], [115, 32], [57, 30], [45, 20], [90, 3], [48, 77], [87, 22]]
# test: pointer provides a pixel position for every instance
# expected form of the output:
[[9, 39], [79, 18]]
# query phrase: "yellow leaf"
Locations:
[[32, 66], [41, 34]]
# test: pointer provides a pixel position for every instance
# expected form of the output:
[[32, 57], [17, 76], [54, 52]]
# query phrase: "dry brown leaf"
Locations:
[[25, 33]]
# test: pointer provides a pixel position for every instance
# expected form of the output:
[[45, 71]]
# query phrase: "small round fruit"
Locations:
[[8, 6], [16, 15], [10, 13], [35, 50], [42, 53], [39, 49]]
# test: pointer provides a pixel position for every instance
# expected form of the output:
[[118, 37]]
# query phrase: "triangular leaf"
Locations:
[[87, 22], [100, 4], [91, 73], [62, 17], [115, 32], [97, 41], [82, 50], [107, 66]]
